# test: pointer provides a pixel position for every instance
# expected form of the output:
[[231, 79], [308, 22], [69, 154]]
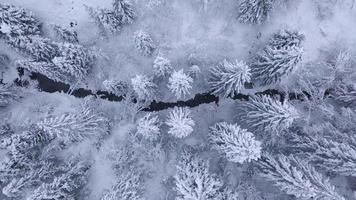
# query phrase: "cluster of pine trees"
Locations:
[[296, 143]]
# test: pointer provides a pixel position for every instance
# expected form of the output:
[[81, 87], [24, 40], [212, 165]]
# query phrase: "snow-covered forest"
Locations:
[[177, 99]]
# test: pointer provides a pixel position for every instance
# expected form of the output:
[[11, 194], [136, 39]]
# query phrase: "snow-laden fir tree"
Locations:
[[123, 10], [237, 144], [127, 187], [149, 126], [162, 66], [75, 127], [8, 94], [15, 22], [66, 34], [272, 64], [229, 78], [180, 83], [266, 113], [66, 186], [106, 20], [24, 165], [286, 38], [254, 11], [143, 87], [180, 122], [74, 60], [328, 147], [144, 43], [112, 20], [193, 180], [31, 178], [117, 87], [37, 47], [334, 156], [48, 69], [297, 178]]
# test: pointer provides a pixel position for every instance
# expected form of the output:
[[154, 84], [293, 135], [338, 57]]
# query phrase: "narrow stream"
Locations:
[[47, 85]]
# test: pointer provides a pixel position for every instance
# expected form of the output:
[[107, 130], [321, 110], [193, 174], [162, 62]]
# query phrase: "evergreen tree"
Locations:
[[180, 122], [329, 147], [236, 143], [144, 43], [65, 186], [161, 66], [38, 48], [120, 88], [273, 64], [149, 126], [297, 178], [16, 22], [255, 11], [48, 69], [66, 35], [74, 60], [75, 127], [229, 78], [266, 113], [193, 180], [123, 10], [143, 87], [106, 20], [180, 83], [112, 20], [285, 39], [127, 187]]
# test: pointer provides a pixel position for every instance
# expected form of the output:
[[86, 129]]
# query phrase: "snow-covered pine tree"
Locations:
[[328, 147], [237, 144], [123, 10], [127, 187], [254, 11], [8, 94], [286, 38], [144, 43], [229, 78], [272, 64], [149, 126], [180, 122], [297, 178], [16, 22], [193, 180], [162, 66], [74, 127], [48, 69], [334, 156], [180, 83], [33, 177], [37, 47], [74, 60], [65, 34], [106, 20], [120, 88], [265, 113], [22, 167], [143, 87], [66, 186]]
